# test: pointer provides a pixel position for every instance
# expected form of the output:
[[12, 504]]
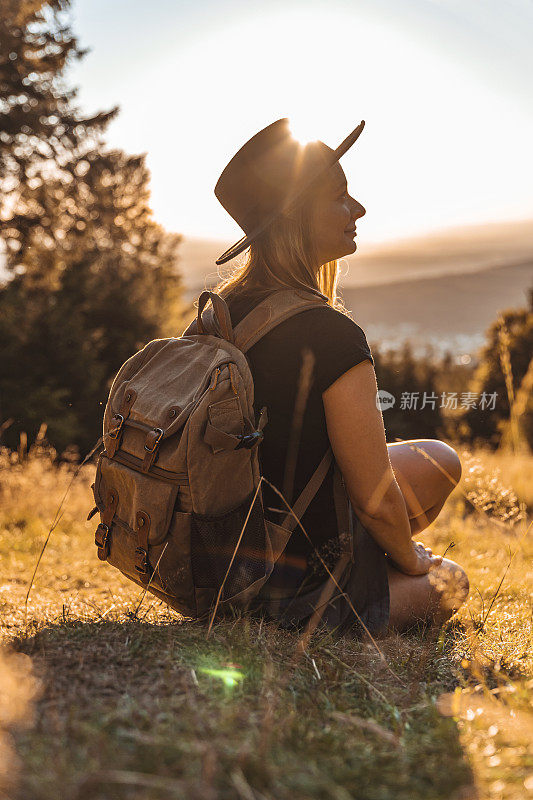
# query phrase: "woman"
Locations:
[[315, 374]]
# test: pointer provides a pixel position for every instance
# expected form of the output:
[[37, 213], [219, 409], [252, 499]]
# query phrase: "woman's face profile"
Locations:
[[334, 216]]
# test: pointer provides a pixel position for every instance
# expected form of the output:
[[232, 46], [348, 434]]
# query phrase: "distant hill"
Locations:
[[442, 289], [448, 312], [452, 251]]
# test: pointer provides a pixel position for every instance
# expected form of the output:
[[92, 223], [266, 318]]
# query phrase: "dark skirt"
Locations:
[[365, 590]]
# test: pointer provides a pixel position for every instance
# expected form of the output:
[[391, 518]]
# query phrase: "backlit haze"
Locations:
[[443, 88]]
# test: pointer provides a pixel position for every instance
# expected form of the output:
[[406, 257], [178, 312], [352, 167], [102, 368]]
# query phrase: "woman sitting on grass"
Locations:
[[315, 374]]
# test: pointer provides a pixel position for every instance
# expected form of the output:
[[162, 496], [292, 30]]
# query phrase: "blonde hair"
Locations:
[[284, 256]]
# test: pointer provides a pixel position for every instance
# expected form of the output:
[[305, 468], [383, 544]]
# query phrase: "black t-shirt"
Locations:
[[291, 366]]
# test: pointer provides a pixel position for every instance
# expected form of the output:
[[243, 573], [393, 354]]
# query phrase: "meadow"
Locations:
[[106, 693]]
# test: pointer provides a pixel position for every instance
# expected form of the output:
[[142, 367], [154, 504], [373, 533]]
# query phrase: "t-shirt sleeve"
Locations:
[[338, 344]]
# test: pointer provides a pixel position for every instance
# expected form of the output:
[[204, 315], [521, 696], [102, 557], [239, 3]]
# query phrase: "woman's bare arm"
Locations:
[[357, 436]]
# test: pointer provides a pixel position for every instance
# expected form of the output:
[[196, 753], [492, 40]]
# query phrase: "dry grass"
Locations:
[[149, 708]]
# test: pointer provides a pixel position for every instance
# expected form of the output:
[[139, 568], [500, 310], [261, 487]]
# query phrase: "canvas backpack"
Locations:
[[178, 485]]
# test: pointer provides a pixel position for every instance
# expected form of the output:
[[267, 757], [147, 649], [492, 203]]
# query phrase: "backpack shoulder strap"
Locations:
[[343, 509], [276, 308], [290, 521]]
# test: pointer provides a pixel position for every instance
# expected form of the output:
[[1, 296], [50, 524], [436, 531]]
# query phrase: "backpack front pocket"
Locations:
[[136, 494], [225, 422]]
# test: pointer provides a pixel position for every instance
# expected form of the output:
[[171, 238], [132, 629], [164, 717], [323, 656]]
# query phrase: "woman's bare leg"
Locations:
[[425, 518], [425, 483], [427, 470], [431, 598]]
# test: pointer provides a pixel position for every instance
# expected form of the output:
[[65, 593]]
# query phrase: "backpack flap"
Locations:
[[155, 404]]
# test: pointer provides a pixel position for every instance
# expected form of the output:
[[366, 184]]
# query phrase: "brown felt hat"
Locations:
[[270, 174]]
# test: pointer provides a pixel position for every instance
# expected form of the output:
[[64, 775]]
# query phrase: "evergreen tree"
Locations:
[[416, 412], [95, 279], [92, 276], [39, 124], [505, 369]]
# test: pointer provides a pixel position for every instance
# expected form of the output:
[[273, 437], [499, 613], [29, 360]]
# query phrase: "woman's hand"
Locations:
[[422, 560]]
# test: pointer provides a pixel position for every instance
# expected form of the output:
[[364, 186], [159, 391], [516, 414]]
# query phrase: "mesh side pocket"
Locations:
[[214, 540]]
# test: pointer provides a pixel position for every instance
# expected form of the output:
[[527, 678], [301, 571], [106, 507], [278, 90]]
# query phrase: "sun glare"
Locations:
[[417, 168], [302, 130], [229, 677]]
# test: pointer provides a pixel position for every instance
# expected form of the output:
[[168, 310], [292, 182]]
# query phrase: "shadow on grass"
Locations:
[[140, 710]]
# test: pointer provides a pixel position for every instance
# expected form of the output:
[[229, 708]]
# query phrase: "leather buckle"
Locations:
[[150, 446], [114, 433], [101, 540], [142, 564]]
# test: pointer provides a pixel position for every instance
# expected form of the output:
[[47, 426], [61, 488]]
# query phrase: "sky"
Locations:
[[444, 87]]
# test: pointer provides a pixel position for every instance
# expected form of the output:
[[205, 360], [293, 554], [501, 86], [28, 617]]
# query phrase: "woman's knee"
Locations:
[[451, 462], [443, 462], [445, 456]]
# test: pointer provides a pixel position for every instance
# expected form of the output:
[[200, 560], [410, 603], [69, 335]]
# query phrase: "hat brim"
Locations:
[[247, 240], [236, 249]]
